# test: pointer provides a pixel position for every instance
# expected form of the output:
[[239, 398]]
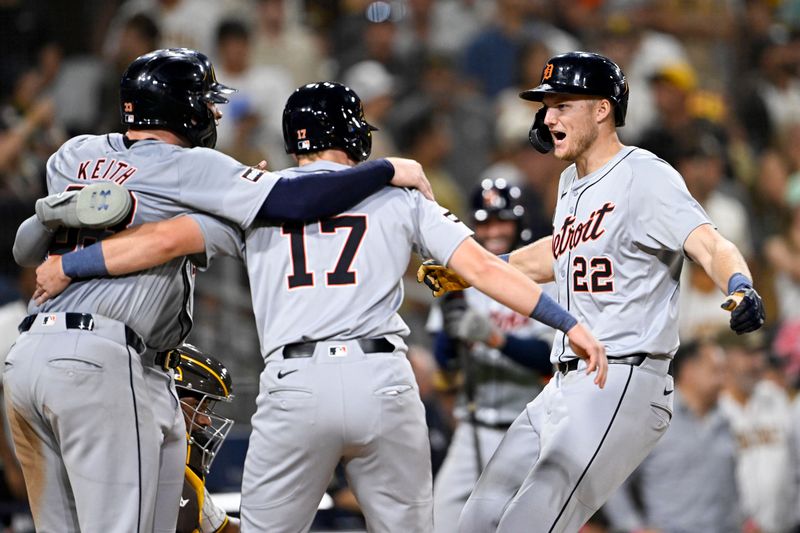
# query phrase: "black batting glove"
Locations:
[[748, 315]]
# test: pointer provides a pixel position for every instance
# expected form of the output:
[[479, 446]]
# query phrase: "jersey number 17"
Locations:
[[341, 273]]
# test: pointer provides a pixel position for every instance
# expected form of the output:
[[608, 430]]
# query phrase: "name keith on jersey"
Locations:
[[571, 234], [105, 169]]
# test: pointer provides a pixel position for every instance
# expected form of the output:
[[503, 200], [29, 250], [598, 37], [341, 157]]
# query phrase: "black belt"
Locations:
[[85, 322], [306, 349], [634, 360], [499, 425]]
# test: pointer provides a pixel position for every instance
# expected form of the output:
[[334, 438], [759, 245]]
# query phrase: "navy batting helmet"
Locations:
[[206, 380], [324, 115], [171, 89], [583, 73], [496, 198]]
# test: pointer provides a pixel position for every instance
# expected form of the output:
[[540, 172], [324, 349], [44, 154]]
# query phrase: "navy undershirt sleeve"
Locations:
[[529, 352], [321, 195]]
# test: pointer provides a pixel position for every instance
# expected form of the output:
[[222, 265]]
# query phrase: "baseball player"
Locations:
[[337, 385], [623, 224], [501, 355], [201, 381], [88, 345]]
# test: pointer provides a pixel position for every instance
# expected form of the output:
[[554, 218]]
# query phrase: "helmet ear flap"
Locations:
[[539, 134]]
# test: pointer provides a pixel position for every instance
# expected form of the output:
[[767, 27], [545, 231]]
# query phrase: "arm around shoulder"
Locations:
[[152, 244]]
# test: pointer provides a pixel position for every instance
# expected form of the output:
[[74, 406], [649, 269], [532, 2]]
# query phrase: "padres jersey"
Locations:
[[502, 386], [165, 181], [340, 278], [618, 238]]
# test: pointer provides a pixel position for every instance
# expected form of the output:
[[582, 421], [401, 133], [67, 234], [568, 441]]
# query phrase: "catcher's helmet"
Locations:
[[583, 73], [324, 115], [171, 89], [205, 379]]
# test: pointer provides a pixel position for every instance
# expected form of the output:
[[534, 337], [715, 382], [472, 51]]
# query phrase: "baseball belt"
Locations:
[[497, 425], [85, 322], [306, 349], [634, 360]]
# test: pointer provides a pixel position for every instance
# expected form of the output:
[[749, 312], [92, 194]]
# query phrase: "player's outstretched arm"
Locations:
[[723, 262], [132, 250], [32, 242], [535, 260], [321, 195], [513, 289]]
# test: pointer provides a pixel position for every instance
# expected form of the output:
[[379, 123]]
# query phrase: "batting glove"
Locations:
[[747, 310], [440, 279]]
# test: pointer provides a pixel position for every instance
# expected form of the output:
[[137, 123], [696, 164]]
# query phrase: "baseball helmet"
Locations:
[[171, 89], [496, 198], [208, 381], [324, 115], [583, 73]]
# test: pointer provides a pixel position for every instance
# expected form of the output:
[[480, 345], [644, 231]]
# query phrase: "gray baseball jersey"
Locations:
[[341, 278], [618, 251], [618, 246], [335, 282], [99, 393], [165, 180]]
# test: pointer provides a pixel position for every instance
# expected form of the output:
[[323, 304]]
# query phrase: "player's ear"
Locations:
[[603, 109]]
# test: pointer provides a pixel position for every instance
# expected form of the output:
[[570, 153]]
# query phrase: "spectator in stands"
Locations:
[[641, 52], [265, 88], [760, 415], [674, 91], [181, 23], [688, 482], [280, 41]]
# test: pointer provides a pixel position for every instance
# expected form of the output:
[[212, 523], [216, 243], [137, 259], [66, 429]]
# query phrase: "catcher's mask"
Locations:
[[201, 382]]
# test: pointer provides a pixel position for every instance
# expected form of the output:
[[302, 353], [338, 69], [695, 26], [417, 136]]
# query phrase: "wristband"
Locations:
[[85, 263], [739, 281], [548, 312], [505, 257]]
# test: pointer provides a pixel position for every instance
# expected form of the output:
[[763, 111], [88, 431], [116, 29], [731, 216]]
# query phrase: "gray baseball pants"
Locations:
[[100, 438]]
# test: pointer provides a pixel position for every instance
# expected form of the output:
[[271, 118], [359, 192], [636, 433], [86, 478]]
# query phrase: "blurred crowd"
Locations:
[[714, 91]]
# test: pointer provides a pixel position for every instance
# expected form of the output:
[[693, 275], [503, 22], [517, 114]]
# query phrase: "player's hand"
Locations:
[[587, 347], [747, 310], [262, 165], [50, 280], [440, 279], [409, 173]]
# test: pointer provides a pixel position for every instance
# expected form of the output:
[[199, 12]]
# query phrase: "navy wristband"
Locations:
[[739, 281], [85, 263], [505, 257], [548, 312]]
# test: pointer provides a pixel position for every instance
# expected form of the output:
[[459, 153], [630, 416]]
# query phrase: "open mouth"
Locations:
[[559, 135]]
